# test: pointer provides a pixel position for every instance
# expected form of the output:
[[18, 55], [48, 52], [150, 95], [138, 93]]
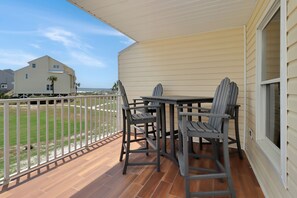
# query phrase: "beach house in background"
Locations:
[[6, 80], [33, 79]]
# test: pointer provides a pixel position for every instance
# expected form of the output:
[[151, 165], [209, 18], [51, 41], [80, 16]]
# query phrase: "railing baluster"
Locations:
[[46, 131], [95, 111], [91, 129], [18, 127], [29, 134], [86, 123], [80, 121], [38, 132], [110, 115], [55, 129], [68, 118], [6, 144], [74, 117], [62, 126], [99, 113], [104, 117]]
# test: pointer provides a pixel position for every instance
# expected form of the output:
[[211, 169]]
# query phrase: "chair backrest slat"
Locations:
[[125, 99], [158, 91], [232, 99], [219, 103]]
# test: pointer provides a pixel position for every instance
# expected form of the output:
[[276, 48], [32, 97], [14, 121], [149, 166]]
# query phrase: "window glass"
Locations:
[[271, 49], [273, 113]]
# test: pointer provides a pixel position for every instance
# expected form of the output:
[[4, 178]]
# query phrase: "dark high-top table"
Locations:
[[173, 101]]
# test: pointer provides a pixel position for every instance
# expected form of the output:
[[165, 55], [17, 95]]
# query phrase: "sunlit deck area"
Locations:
[[97, 172]]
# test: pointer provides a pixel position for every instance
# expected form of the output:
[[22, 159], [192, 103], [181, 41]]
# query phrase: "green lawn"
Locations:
[[100, 121]]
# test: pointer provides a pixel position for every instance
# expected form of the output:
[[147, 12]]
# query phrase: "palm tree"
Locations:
[[53, 79], [114, 87], [76, 86]]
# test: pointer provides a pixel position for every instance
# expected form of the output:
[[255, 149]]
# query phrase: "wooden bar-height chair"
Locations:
[[233, 111], [132, 120], [214, 130], [157, 91]]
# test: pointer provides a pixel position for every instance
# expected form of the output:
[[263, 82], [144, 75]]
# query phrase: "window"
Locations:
[[3, 86], [26, 76], [49, 87], [56, 66], [271, 87], [33, 65], [270, 82]]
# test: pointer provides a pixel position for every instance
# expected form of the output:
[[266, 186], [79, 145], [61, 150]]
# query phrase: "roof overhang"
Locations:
[[158, 19]]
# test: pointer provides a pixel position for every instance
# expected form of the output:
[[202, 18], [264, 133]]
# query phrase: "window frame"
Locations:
[[277, 156]]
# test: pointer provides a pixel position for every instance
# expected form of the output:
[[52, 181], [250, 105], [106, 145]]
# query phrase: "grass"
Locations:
[[100, 126]]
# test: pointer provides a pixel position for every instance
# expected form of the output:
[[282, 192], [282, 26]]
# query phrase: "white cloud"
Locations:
[[14, 59], [66, 38], [35, 45], [81, 58]]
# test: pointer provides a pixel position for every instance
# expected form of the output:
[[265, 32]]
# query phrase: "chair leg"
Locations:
[[157, 138], [215, 150], [128, 149], [186, 164], [123, 139], [227, 161], [237, 137]]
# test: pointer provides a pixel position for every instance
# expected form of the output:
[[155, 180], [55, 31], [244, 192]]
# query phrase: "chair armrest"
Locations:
[[137, 99], [225, 116], [140, 107], [135, 103], [235, 106]]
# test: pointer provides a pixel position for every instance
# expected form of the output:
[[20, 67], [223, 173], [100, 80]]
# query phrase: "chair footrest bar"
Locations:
[[208, 170], [143, 151], [210, 193], [208, 176], [141, 163]]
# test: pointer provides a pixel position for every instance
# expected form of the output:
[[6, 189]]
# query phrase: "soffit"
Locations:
[[158, 19]]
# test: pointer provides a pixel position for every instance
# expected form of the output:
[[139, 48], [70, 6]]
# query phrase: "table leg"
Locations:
[[199, 119], [172, 141], [191, 150], [163, 127]]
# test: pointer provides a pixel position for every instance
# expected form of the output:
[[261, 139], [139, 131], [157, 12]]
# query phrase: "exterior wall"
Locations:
[[192, 65], [268, 177], [6, 77], [37, 78], [292, 96]]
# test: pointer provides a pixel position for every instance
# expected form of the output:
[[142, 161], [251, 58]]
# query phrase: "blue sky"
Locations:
[[34, 28]]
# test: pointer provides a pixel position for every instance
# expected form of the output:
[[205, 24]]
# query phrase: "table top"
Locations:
[[177, 99]]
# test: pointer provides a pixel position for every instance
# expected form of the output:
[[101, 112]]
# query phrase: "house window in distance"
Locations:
[[49, 87], [33, 65], [26, 76], [3, 86]]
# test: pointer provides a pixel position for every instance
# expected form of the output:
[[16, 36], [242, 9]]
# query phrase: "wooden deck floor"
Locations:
[[98, 173]]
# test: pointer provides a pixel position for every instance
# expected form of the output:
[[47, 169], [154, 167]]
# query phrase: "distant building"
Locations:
[[6, 80], [33, 79]]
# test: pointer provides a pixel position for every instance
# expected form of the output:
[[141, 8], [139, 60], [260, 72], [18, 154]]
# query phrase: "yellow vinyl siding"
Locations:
[[192, 65], [268, 177], [292, 95]]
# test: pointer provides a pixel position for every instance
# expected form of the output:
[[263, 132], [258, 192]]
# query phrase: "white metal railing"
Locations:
[[37, 131]]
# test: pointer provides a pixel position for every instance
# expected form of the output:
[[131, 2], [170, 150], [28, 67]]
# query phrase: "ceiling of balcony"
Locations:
[[158, 19]]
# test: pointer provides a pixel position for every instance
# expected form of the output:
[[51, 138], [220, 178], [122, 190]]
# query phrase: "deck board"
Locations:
[[97, 172]]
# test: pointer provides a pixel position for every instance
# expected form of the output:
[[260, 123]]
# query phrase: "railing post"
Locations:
[[6, 143]]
